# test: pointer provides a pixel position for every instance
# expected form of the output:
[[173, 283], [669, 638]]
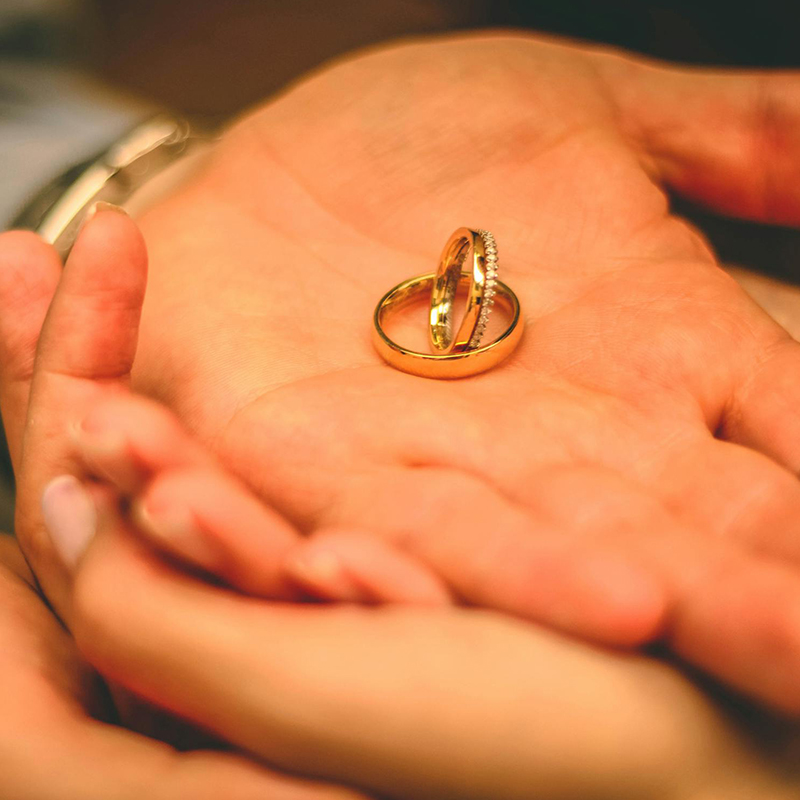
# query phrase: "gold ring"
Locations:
[[444, 365], [467, 252]]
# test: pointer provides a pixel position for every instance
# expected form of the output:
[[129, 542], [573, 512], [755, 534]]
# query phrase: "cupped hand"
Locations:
[[419, 704], [411, 704], [53, 746], [645, 426]]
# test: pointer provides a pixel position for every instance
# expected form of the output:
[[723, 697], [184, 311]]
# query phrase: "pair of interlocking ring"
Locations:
[[469, 259]]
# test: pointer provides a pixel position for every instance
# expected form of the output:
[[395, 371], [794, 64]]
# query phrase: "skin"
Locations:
[[590, 242], [49, 693], [649, 393], [408, 703]]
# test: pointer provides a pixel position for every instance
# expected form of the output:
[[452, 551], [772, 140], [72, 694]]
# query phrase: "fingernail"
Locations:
[[175, 527], [322, 572], [69, 516], [100, 205], [105, 453], [94, 433]]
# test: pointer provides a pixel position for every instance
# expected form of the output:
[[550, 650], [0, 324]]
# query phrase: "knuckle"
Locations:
[[765, 495]]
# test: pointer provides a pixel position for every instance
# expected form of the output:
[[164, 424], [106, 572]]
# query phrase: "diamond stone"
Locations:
[[489, 287]]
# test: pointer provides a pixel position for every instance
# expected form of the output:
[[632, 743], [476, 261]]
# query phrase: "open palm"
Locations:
[[645, 423]]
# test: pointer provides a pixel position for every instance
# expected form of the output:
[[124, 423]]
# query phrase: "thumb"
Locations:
[[86, 348], [729, 139]]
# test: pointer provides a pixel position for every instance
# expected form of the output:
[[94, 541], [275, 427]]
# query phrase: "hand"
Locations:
[[410, 703], [598, 435], [46, 690], [195, 513], [51, 747], [483, 676], [390, 743]]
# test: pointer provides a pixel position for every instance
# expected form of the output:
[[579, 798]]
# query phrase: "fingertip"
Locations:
[[742, 624], [107, 457], [348, 566], [109, 255], [92, 328], [172, 527], [322, 574], [109, 229], [625, 605], [205, 518], [29, 273], [127, 437]]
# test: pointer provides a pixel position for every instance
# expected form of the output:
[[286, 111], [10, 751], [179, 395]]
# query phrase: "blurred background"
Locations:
[[214, 57], [76, 74]]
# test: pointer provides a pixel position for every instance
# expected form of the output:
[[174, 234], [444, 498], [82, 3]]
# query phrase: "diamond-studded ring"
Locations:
[[467, 252], [469, 261]]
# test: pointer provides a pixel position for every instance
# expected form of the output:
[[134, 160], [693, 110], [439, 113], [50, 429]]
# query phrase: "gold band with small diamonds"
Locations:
[[467, 252]]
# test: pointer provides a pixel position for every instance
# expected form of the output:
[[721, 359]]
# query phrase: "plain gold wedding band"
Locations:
[[444, 365]]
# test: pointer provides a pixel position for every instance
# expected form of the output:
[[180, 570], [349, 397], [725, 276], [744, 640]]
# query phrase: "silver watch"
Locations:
[[113, 176]]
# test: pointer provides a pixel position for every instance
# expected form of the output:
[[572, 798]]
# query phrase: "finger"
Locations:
[[740, 622], [191, 509], [44, 691], [86, 348], [183, 502], [350, 567], [110, 763], [127, 440], [764, 412], [92, 328], [397, 700], [596, 556], [708, 580], [734, 494], [207, 519], [29, 273], [728, 139], [493, 553]]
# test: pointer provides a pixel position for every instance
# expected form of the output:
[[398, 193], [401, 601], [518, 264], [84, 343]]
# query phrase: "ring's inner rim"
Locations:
[[445, 290]]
